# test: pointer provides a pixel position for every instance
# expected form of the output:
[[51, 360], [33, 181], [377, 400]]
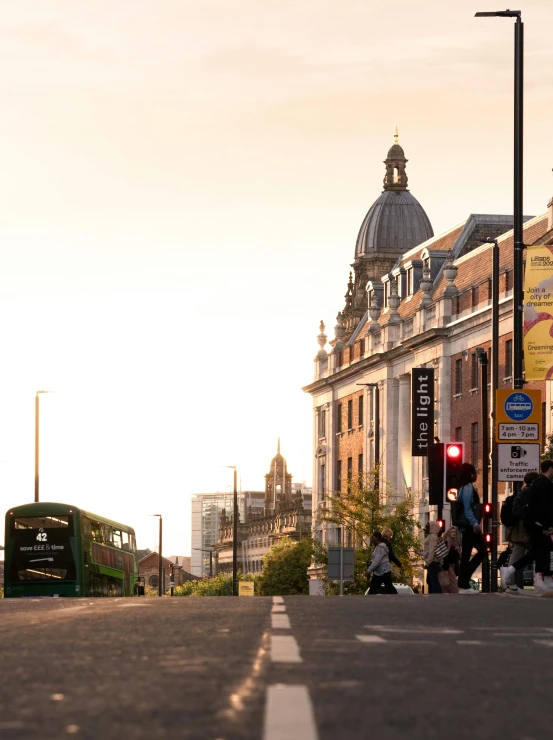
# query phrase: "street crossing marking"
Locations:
[[289, 713], [372, 639], [285, 649], [280, 621], [416, 630], [278, 608], [278, 600]]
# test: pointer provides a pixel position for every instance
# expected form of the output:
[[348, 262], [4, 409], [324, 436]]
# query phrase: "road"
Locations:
[[310, 668]]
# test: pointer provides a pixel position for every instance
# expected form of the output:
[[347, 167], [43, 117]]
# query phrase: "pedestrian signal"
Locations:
[[488, 541], [454, 454], [487, 510], [440, 523]]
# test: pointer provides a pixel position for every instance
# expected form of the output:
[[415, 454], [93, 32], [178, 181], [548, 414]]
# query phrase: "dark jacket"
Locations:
[[541, 502], [393, 558]]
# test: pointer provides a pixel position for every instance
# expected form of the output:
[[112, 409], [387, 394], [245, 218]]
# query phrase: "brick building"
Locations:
[[414, 300], [148, 569]]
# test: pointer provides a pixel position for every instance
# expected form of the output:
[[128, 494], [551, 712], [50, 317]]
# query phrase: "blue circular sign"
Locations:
[[518, 406]]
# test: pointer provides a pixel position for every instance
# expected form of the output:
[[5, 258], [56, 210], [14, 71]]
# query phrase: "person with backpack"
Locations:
[[468, 514], [514, 513], [539, 523], [433, 557]]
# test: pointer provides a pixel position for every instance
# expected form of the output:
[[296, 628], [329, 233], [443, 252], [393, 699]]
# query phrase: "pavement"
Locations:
[[311, 668]]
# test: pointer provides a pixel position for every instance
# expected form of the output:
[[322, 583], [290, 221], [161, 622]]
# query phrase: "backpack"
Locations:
[[521, 504], [458, 518], [507, 515]]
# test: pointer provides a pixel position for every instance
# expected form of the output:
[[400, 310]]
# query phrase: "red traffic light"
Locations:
[[488, 541], [453, 451], [487, 510], [440, 523]]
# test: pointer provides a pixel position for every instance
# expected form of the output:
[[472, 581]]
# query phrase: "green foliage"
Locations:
[[370, 505], [220, 585], [547, 453], [285, 568]]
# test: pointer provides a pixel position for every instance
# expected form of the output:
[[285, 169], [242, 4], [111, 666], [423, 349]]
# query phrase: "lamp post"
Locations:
[[160, 557], [234, 533], [37, 442], [518, 245]]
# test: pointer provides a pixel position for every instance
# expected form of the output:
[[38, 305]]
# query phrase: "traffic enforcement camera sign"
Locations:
[[518, 416], [514, 461]]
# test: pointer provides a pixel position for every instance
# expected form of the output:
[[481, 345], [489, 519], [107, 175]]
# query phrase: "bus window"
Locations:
[[85, 524], [116, 537], [108, 534], [42, 549], [96, 534], [46, 522], [126, 540]]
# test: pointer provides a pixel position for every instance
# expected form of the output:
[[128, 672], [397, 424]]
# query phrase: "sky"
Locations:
[[181, 187]]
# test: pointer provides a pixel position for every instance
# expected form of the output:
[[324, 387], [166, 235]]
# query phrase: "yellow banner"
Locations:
[[538, 313], [245, 588]]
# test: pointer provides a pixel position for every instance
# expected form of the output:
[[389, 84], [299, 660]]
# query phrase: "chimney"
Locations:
[[550, 215]]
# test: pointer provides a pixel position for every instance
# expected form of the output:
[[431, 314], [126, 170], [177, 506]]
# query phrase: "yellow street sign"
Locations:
[[245, 588], [518, 415]]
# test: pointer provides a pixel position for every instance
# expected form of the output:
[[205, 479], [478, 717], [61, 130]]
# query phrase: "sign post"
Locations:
[[518, 431]]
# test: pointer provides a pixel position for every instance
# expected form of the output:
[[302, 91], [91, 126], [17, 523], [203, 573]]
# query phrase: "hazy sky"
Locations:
[[181, 187]]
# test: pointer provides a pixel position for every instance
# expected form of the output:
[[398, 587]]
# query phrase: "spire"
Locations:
[[278, 447], [396, 177]]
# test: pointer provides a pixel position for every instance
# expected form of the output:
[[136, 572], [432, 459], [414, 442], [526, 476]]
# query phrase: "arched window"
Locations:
[[153, 581]]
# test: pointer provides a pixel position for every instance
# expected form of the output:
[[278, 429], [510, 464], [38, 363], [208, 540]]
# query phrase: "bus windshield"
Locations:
[[41, 548]]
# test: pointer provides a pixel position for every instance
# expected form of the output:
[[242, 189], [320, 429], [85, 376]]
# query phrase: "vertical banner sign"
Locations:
[[538, 313], [422, 410]]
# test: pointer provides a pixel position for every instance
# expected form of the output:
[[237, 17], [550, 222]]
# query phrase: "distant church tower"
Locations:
[[278, 482]]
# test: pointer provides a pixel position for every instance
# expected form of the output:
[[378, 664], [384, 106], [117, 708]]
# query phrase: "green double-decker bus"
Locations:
[[61, 550]]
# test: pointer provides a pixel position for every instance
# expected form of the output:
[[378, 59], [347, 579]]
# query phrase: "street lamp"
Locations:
[[37, 442], [518, 244], [234, 533], [160, 559]]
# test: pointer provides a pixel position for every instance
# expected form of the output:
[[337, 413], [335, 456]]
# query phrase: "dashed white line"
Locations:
[[284, 649], [371, 639], [278, 600], [416, 631], [278, 608], [289, 713], [280, 621]]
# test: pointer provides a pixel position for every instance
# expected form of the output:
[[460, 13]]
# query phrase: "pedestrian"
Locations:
[[380, 567], [503, 559], [539, 523], [387, 535], [468, 521], [450, 563], [515, 513], [432, 562]]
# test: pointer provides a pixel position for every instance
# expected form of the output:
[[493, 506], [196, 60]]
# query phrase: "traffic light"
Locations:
[[454, 454], [436, 474], [488, 541], [487, 511], [441, 523]]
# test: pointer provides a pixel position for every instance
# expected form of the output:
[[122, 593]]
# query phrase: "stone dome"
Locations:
[[396, 221]]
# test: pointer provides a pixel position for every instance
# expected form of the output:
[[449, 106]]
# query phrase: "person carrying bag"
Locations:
[[466, 515]]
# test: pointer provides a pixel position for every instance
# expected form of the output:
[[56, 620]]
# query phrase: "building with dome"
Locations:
[[413, 300], [286, 513]]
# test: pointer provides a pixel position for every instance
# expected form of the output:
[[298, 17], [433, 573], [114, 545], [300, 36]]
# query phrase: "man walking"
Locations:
[[468, 502], [540, 528], [380, 567]]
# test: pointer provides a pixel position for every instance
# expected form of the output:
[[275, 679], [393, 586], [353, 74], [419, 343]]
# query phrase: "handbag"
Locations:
[[443, 577], [441, 550]]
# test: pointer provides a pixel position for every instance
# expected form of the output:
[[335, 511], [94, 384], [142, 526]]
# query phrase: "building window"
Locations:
[[351, 353], [508, 358], [458, 376], [474, 443], [360, 420], [338, 476], [322, 482], [339, 418], [490, 290], [410, 281], [474, 371], [474, 297], [360, 466], [350, 472], [362, 348], [508, 280], [458, 434], [350, 414], [322, 423]]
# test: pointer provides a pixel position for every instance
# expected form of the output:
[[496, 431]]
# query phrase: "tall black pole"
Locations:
[[518, 297], [160, 559], [37, 446], [483, 356], [494, 387], [235, 539]]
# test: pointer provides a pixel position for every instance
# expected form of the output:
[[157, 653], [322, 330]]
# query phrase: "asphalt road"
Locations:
[[309, 668]]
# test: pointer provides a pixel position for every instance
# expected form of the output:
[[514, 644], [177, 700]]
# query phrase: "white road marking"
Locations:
[[469, 642], [289, 713], [278, 600], [545, 643], [285, 649], [280, 621], [372, 639], [536, 633], [278, 608], [416, 631]]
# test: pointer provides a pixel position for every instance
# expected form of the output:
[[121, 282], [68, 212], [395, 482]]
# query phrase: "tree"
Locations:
[[285, 568], [371, 504]]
